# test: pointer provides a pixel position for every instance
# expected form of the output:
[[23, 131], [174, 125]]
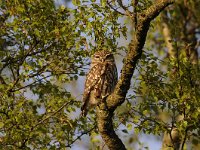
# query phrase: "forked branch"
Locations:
[[134, 53], [105, 110]]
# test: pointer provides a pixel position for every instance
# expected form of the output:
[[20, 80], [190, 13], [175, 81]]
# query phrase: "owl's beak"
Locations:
[[103, 60]]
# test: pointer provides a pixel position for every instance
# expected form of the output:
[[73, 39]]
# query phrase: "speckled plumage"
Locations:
[[101, 79]]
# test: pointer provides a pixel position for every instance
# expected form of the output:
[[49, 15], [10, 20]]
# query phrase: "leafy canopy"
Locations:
[[43, 46]]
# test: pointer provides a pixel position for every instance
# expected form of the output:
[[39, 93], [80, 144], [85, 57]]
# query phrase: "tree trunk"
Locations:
[[105, 109]]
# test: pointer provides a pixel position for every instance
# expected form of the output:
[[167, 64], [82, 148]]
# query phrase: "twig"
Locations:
[[78, 137], [43, 120], [184, 140], [109, 4], [121, 5]]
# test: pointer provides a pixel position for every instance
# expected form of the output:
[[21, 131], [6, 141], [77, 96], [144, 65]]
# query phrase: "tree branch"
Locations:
[[115, 9], [105, 126], [54, 113], [134, 53], [106, 108], [79, 136]]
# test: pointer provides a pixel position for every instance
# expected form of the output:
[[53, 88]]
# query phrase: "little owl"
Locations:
[[101, 79]]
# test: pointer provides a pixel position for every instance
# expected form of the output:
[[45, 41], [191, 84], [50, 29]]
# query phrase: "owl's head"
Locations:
[[103, 56]]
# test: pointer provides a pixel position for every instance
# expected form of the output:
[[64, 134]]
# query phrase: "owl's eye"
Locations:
[[97, 57], [109, 56]]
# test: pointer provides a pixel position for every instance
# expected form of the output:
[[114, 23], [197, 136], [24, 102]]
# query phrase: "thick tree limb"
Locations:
[[105, 110], [105, 126], [134, 53]]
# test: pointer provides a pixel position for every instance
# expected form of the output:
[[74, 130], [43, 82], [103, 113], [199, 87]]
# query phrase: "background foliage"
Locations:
[[43, 46]]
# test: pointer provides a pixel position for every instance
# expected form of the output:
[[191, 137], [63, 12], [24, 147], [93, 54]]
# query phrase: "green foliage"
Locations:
[[165, 89], [174, 92], [166, 93], [38, 52], [99, 24], [43, 47]]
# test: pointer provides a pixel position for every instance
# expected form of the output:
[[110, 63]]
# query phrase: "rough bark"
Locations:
[[105, 126], [134, 53], [105, 110]]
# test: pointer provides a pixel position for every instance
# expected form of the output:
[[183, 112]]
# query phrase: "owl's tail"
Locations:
[[84, 110]]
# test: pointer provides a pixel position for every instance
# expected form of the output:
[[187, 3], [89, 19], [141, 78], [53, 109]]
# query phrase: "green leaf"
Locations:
[[103, 3], [129, 127], [185, 123], [76, 2], [1, 124], [37, 32], [136, 130], [145, 112]]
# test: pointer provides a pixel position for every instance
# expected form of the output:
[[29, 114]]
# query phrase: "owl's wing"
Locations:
[[109, 80], [92, 80]]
